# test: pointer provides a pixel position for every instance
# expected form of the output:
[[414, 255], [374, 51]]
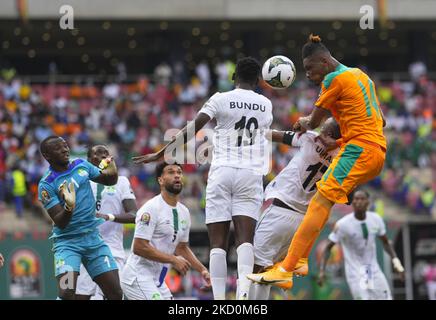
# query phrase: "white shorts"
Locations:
[[87, 287], [273, 235], [146, 289], [377, 289], [232, 192]]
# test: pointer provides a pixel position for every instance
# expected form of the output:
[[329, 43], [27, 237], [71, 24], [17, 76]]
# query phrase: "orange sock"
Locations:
[[312, 224], [309, 248]]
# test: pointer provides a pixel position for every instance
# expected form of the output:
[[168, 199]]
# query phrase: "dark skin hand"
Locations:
[[96, 155]]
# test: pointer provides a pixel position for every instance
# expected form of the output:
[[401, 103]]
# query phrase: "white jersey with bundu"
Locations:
[[239, 140]]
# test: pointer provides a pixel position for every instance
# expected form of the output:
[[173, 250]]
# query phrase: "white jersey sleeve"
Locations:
[[211, 107], [146, 221], [186, 214], [382, 226], [336, 236], [125, 189]]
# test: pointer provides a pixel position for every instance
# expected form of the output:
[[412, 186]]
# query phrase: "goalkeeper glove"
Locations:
[[68, 194]]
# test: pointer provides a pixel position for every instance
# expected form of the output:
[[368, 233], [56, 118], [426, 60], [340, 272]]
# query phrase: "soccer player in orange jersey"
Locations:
[[349, 95]]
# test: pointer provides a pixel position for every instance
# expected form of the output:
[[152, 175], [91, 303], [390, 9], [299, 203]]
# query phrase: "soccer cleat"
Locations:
[[302, 268], [273, 276]]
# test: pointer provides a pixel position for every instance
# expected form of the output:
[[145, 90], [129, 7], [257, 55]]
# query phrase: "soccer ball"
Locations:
[[279, 72]]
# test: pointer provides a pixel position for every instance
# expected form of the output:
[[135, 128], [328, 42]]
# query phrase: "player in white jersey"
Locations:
[[160, 240], [357, 233], [241, 157], [117, 205], [291, 191]]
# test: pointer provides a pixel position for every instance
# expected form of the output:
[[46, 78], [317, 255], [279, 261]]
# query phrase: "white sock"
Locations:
[[245, 266], [218, 273], [260, 291]]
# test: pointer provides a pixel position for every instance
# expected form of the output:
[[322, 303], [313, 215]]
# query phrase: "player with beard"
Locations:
[[160, 240]]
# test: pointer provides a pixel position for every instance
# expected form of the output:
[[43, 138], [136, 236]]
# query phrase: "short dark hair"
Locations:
[[248, 70], [362, 190], [313, 45], [43, 147], [90, 147], [161, 167]]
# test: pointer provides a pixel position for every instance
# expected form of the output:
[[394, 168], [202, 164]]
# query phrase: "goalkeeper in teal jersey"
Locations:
[[66, 194]]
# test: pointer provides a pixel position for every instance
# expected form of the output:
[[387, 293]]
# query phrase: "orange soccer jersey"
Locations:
[[349, 94]]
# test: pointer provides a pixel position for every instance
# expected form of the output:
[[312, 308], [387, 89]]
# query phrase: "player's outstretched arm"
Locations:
[[185, 251], [143, 248], [129, 216], [109, 173], [276, 135], [324, 258], [387, 245], [180, 139]]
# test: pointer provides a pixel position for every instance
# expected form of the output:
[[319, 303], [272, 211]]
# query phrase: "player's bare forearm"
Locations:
[[317, 116], [123, 218], [180, 139], [387, 246], [143, 248], [325, 256], [60, 216], [130, 208], [128, 217], [276, 136], [185, 251]]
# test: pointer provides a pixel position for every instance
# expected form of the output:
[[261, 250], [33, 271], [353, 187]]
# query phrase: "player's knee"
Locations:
[[240, 240], [218, 244]]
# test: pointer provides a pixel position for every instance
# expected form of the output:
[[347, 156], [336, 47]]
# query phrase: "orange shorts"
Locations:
[[356, 163]]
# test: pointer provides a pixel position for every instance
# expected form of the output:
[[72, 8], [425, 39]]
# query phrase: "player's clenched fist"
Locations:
[[68, 194], [302, 124]]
